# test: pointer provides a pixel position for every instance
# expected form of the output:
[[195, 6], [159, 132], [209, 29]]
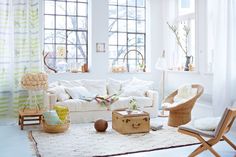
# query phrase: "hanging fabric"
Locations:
[[20, 50]]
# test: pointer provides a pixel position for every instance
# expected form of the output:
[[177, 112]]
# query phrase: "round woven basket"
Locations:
[[55, 128]]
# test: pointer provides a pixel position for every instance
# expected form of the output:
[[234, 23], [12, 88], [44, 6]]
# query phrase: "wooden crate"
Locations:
[[125, 123]]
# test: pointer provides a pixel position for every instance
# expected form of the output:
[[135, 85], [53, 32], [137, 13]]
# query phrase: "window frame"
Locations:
[[54, 44], [127, 32]]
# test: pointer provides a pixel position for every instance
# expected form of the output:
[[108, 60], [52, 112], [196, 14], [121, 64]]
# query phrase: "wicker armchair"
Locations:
[[181, 114]]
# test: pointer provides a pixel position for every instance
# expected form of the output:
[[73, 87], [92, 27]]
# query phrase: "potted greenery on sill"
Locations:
[[179, 42]]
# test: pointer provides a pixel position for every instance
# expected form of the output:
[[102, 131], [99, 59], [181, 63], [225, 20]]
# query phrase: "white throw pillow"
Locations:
[[139, 82], [60, 93], [185, 92], [72, 83], [95, 86], [113, 86], [137, 90], [207, 123], [79, 92]]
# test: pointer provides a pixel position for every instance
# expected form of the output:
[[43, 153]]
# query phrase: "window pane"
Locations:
[[49, 48], [113, 39], [121, 12], [71, 51], [140, 3], [112, 25], [71, 8], [122, 39], [131, 2], [140, 13], [131, 25], [49, 36], [81, 38], [132, 39], [61, 51], [122, 25], [140, 39], [82, 11], [60, 22], [131, 13], [82, 23], [141, 26], [71, 37], [71, 22], [60, 36], [49, 21], [81, 51], [49, 7], [186, 6], [112, 11], [121, 2], [61, 8], [112, 51]]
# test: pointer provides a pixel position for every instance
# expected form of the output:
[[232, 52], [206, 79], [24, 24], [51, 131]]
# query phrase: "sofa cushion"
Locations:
[[97, 87], [123, 102], [114, 86], [134, 90], [79, 92], [60, 93], [72, 83]]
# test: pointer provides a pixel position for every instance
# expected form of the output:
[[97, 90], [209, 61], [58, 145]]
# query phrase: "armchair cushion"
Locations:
[[185, 92], [207, 123]]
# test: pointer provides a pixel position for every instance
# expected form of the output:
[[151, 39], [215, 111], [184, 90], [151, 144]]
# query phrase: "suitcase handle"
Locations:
[[137, 125]]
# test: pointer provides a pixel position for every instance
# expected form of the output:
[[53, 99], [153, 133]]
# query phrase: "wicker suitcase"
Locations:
[[125, 123]]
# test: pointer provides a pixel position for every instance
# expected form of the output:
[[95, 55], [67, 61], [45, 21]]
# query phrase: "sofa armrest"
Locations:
[[154, 96], [49, 100]]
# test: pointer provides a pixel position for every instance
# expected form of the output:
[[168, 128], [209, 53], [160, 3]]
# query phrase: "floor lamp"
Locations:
[[161, 65]]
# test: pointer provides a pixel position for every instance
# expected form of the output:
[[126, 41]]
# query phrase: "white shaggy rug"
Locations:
[[81, 140]]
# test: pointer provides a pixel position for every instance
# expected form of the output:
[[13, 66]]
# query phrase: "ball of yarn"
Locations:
[[101, 125]]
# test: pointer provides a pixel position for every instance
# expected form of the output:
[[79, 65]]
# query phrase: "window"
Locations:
[[185, 21], [127, 34], [66, 33]]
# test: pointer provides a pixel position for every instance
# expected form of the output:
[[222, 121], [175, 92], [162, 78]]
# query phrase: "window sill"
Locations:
[[183, 72]]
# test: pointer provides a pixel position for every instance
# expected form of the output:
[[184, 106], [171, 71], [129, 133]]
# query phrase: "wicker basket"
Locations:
[[181, 114], [55, 128]]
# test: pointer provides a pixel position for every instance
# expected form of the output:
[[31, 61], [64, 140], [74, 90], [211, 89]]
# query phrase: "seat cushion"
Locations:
[[82, 105]]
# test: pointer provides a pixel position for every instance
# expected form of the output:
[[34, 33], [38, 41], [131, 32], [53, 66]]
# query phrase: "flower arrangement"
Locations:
[[178, 39], [133, 104], [183, 43]]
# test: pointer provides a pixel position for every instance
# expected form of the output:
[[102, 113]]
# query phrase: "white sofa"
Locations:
[[87, 111]]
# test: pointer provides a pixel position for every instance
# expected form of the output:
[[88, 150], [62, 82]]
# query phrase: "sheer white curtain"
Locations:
[[19, 50], [224, 68]]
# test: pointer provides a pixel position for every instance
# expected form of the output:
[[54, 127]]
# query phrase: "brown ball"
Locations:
[[101, 125]]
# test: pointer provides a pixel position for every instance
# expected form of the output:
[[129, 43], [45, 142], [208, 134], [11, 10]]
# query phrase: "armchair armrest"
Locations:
[[154, 96]]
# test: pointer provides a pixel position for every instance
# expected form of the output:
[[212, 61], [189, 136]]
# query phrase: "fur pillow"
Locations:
[[60, 93], [207, 123]]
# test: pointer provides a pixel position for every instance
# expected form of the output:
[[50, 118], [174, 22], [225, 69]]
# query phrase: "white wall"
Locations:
[[158, 39]]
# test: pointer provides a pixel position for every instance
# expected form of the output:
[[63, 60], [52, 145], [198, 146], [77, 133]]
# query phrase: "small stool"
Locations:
[[32, 115]]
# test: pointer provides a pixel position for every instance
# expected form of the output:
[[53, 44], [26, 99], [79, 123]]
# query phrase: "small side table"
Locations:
[[32, 115]]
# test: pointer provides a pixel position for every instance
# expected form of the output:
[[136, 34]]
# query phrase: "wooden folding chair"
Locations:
[[214, 136]]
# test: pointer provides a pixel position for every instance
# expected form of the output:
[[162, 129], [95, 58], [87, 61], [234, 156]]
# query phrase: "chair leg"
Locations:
[[229, 142], [197, 151], [209, 147]]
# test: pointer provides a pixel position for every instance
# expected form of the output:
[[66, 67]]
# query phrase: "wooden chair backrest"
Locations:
[[226, 122]]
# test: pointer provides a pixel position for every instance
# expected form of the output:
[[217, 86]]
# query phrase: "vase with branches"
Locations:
[[183, 44]]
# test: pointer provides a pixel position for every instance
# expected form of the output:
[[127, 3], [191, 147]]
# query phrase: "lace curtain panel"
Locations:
[[20, 48]]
